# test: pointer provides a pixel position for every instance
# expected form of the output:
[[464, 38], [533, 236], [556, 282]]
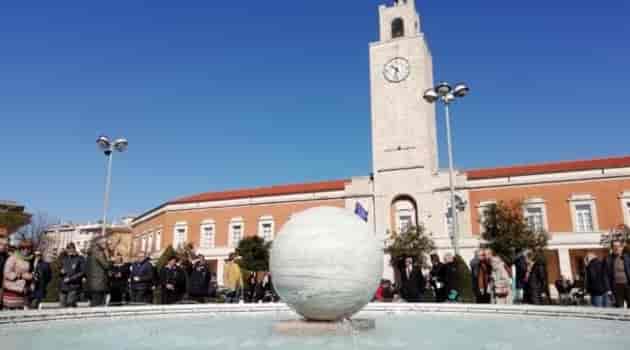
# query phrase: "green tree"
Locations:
[[13, 220], [166, 255], [254, 253], [414, 243], [506, 232]]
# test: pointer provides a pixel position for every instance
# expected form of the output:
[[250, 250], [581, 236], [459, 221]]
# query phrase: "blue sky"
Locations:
[[216, 95]]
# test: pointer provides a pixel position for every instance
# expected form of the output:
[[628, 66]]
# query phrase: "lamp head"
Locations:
[[461, 90], [121, 145], [448, 98], [103, 142], [430, 95], [443, 88]]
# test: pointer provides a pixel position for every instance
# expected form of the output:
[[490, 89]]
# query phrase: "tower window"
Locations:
[[398, 28]]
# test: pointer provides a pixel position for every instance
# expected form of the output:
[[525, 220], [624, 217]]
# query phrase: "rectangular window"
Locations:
[[483, 211], [236, 234], [535, 219], [144, 244], [267, 231], [150, 243], [266, 228], [158, 240], [179, 235], [207, 236], [405, 222], [584, 218]]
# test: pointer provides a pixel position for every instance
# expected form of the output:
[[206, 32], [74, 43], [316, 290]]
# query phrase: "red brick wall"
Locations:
[[606, 193], [223, 216]]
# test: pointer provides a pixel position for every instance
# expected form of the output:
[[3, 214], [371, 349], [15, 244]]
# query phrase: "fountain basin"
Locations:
[[398, 326]]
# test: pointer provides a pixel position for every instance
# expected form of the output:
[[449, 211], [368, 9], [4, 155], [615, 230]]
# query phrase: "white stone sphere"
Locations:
[[326, 263]]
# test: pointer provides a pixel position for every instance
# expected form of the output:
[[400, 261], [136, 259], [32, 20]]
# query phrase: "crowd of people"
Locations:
[[108, 280], [104, 279], [24, 276], [605, 280]]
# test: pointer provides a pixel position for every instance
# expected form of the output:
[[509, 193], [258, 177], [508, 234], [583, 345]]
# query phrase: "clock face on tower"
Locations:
[[396, 70]]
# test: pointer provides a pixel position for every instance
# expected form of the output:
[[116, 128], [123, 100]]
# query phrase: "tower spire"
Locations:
[[399, 20]]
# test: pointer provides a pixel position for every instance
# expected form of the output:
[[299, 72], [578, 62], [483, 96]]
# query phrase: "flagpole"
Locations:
[[373, 202]]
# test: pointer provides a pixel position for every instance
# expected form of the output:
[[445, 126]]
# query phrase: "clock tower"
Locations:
[[401, 69], [404, 140]]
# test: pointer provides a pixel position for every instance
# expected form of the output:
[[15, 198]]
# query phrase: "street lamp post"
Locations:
[[446, 94], [108, 147]]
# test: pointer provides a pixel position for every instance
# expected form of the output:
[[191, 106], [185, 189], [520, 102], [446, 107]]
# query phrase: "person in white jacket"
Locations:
[[500, 281]]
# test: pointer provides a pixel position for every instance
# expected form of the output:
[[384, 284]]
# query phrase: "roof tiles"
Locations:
[[325, 186], [546, 168]]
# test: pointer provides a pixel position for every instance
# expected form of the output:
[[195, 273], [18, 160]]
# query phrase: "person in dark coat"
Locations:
[[618, 267], [213, 287], [436, 276], [597, 283], [250, 289], [42, 274], [171, 277], [118, 282], [564, 286], [482, 273], [449, 276], [412, 282], [183, 268], [521, 273], [474, 274], [385, 292], [98, 266], [199, 280], [72, 273], [141, 278], [4, 255], [536, 281], [264, 290]]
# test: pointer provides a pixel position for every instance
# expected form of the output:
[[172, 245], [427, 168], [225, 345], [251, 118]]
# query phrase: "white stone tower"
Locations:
[[404, 147], [403, 125]]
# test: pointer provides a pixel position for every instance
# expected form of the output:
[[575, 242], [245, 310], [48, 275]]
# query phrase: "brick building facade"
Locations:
[[574, 201]]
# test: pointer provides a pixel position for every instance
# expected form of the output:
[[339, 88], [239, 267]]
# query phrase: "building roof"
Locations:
[[546, 168], [9, 204], [314, 187]]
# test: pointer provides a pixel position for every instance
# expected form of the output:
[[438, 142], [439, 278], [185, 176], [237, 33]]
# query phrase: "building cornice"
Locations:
[[244, 202]]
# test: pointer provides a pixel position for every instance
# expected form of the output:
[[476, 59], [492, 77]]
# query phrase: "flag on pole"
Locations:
[[361, 212]]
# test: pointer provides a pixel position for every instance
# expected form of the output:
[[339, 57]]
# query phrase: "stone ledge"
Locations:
[[31, 316]]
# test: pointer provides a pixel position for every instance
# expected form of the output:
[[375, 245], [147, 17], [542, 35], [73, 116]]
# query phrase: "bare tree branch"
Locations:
[[36, 229]]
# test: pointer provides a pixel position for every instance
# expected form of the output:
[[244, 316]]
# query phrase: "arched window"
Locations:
[[398, 28], [404, 213]]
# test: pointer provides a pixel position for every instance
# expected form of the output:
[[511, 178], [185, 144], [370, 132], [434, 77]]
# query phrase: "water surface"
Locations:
[[254, 331]]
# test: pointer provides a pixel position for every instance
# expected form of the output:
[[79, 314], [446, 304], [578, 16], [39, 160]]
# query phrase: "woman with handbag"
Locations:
[[17, 277], [500, 281]]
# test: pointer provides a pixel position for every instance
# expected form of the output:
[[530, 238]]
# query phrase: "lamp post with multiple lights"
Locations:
[[108, 147], [446, 94]]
